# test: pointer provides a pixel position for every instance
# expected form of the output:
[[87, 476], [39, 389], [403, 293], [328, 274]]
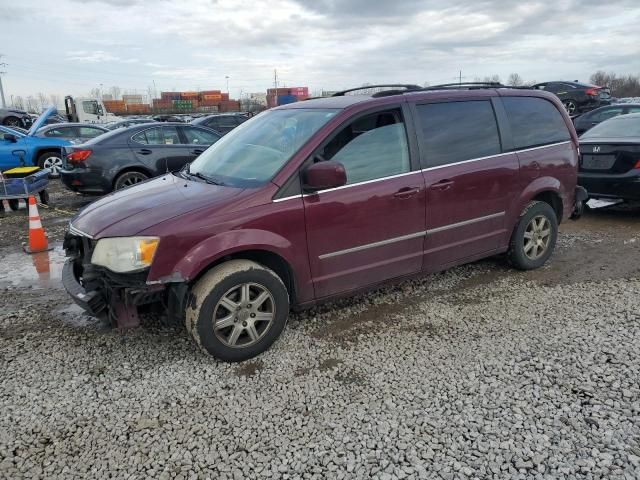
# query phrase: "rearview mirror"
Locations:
[[323, 175], [10, 137]]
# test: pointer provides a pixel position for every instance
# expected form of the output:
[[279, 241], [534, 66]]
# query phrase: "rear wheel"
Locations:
[[534, 236], [237, 310], [570, 106], [51, 161], [14, 204], [128, 179]]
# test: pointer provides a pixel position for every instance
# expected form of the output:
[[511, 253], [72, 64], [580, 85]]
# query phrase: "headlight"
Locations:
[[125, 254]]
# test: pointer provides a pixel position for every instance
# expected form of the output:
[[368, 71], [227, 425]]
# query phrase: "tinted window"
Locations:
[[608, 113], [170, 136], [621, 126], [634, 110], [372, 147], [151, 136], [458, 131], [534, 122], [89, 132], [61, 132], [197, 136]]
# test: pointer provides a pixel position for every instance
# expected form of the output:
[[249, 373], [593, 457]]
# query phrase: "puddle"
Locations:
[[37, 271]]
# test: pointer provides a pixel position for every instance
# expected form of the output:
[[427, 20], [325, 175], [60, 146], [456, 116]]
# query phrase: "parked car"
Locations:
[[128, 123], [126, 156], [577, 97], [221, 123], [72, 132], [594, 117], [323, 198], [168, 118], [17, 149], [13, 117], [610, 158]]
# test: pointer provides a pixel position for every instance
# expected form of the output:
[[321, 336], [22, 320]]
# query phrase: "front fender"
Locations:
[[203, 254]]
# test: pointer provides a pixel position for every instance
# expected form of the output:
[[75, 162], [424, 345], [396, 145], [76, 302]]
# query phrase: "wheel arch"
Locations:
[[135, 168], [545, 189], [39, 151]]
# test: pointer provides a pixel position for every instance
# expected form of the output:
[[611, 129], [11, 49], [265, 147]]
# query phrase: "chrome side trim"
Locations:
[[465, 222], [373, 245], [363, 183], [75, 231], [284, 199], [542, 146]]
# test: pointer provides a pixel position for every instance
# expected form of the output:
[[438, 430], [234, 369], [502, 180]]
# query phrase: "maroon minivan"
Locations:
[[326, 197]]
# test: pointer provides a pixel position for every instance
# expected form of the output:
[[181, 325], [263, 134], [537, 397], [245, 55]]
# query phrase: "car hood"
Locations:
[[39, 123], [130, 211], [607, 140]]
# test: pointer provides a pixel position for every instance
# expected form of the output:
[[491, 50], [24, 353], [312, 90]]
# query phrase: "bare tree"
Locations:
[[115, 92], [42, 100], [18, 102], [55, 99], [95, 93], [623, 86], [32, 105], [515, 80]]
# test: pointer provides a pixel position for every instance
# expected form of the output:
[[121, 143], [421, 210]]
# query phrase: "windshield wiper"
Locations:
[[206, 178]]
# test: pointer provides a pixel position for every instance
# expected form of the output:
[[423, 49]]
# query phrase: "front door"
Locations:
[[470, 182], [371, 229]]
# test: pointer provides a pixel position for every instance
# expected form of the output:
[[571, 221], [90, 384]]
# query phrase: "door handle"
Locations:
[[197, 151], [406, 192], [442, 185], [145, 151]]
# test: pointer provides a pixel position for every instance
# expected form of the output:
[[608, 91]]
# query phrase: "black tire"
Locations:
[[51, 161], [207, 297], [520, 249], [44, 197], [12, 122], [570, 106], [14, 204], [129, 179]]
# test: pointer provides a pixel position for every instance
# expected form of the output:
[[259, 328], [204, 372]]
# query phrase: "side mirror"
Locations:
[[323, 175], [10, 137]]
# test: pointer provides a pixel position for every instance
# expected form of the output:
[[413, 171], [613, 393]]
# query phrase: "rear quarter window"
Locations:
[[534, 122]]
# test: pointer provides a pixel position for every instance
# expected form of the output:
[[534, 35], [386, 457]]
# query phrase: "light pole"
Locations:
[[227, 77]]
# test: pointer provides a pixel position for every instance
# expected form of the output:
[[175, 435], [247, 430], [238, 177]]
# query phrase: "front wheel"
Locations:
[[570, 106], [12, 122], [237, 310], [534, 236]]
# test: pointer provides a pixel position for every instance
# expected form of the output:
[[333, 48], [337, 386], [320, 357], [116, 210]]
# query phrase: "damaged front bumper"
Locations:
[[113, 296], [580, 197]]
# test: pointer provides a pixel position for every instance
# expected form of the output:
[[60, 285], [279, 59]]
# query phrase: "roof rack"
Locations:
[[404, 86]]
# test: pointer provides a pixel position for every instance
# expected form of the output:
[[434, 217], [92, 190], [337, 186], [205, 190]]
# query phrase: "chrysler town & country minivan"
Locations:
[[324, 198]]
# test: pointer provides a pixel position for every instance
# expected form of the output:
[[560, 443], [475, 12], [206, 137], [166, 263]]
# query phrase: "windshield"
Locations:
[[622, 126], [253, 152]]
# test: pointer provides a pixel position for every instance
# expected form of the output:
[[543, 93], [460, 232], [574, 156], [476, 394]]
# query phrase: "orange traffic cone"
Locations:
[[37, 238]]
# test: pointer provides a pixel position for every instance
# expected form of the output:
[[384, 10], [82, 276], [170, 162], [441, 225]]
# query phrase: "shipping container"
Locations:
[[132, 99], [278, 91], [286, 99], [210, 92], [225, 96], [114, 106], [188, 95], [299, 91], [208, 109], [210, 103], [212, 96], [138, 108], [170, 95]]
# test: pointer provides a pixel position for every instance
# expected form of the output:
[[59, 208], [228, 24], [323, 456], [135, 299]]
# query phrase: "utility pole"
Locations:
[[227, 77], [275, 78], [4, 104]]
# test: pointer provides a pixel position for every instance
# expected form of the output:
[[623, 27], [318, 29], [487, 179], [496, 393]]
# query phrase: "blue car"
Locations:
[[18, 149]]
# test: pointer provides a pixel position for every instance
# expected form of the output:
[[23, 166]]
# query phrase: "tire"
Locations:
[[51, 161], [529, 247], [14, 204], [570, 106], [224, 285], [44, 197], [12, 122], [128, 179]]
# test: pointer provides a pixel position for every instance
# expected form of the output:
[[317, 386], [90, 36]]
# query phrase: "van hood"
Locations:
[[41, 119], [130, 211]]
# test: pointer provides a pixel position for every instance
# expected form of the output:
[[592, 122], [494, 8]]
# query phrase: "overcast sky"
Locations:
[[72, 46]]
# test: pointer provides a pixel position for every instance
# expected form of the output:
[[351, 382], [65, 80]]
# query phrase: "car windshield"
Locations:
[[622, 126], [253, 152]]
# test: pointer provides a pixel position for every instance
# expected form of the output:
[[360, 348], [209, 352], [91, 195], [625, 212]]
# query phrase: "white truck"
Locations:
[[87, 110]]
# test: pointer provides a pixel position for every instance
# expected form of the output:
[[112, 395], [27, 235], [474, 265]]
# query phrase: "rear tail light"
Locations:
[[592, 92], [637, 165], [78, 156]]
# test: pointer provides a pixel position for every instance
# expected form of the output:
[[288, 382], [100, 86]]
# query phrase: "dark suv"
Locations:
[[577, 97], [327, 197]]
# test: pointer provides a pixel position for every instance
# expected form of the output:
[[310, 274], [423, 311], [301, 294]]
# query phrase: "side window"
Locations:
[[608, 113], [151, 136], [534, 122], [197, 136], [61, 132], [372, 147], [457, 131], [91, 107], [170, 136], [633, 110], [88, 132], [213, 122]]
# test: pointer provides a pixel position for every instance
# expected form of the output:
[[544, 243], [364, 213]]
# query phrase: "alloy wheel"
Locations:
[[570, 106], [133, 179], [53, 164], [537, 237], [12, 122], [243, 315]]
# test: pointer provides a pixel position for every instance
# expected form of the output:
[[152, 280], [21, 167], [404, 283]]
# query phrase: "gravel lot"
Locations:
[[477, 372]]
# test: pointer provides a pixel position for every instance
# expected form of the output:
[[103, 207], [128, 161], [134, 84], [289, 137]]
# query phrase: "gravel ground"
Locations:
[[477, 372]]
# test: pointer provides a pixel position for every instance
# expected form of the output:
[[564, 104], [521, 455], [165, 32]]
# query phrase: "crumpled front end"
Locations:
[[103, 293]]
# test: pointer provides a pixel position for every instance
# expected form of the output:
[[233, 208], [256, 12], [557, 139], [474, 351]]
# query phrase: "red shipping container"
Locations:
[[299, 91], [225, 96], [170, 95], [278, 91], [188, 95], [210, 92]]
